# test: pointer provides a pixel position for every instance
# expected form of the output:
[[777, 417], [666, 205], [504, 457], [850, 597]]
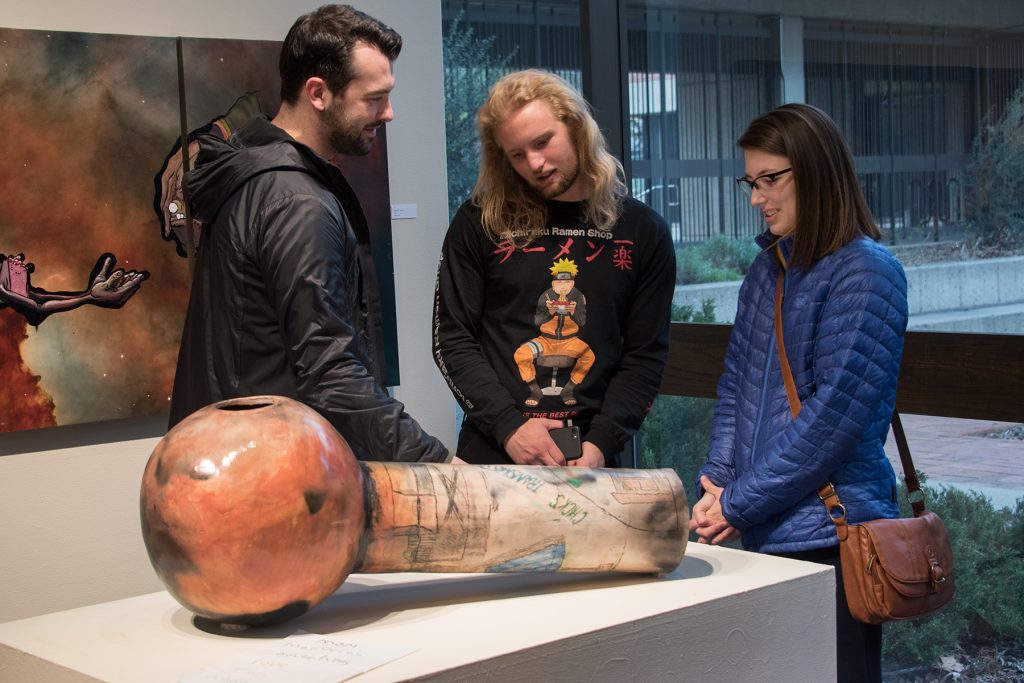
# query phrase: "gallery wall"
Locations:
[[69, 529]]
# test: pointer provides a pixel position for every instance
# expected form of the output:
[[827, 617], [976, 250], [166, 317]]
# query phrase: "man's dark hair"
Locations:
[[320, 44]]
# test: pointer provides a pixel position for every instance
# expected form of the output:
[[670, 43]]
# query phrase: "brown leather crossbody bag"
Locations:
[[893, 569]]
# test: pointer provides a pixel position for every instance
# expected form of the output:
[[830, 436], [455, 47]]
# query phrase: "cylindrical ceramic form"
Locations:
[[513, 518], [254, 510]]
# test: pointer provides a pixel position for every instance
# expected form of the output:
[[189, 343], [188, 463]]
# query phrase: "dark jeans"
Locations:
[[858, 645]]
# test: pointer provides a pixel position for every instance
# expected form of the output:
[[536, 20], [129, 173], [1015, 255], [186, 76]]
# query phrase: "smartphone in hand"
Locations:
[[568, 441]]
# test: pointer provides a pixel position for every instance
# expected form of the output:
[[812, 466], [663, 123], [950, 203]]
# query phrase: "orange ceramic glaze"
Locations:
[[252, 510]]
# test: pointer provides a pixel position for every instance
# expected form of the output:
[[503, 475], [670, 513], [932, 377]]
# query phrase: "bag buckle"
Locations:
[[938, 576], [836, 510], [831, 492]]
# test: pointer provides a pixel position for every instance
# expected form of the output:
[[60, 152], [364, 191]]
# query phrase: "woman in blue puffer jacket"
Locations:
[[843, 318]]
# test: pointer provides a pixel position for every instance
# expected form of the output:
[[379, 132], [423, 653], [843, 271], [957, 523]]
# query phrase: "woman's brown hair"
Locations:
[[831, 209]]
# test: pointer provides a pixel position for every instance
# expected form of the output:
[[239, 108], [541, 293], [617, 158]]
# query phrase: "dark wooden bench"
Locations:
[[976, 376]]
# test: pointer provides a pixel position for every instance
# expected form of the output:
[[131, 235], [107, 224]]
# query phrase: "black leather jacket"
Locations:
[[285, 298]]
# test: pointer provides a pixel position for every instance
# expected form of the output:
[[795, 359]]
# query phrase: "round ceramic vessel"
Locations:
[[252, 510]]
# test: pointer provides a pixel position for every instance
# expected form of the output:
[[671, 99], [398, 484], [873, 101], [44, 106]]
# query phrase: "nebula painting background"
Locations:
[[87, 121]]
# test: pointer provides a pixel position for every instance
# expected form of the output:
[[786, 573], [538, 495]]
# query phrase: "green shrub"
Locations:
[[687, 314], [994, 184], [675, 435], [469, 70], [988, 557], [717, 259]]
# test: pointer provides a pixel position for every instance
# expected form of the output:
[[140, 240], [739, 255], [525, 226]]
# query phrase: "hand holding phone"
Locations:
[[568, 441]]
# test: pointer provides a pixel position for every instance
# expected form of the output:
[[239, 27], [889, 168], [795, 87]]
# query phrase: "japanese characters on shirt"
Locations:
[[554, 362]]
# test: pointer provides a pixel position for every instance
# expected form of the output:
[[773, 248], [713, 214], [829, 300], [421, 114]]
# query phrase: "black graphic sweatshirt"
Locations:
[[574, 326]]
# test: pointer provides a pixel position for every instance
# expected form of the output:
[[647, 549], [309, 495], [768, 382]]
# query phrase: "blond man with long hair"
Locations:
[[554, 288]]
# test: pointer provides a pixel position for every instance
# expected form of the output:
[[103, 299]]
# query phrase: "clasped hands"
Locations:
[[707, 520]]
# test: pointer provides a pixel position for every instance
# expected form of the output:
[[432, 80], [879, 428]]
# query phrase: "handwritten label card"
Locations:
[[306, 657]]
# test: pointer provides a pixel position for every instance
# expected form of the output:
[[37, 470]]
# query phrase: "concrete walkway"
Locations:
[[956, 452]]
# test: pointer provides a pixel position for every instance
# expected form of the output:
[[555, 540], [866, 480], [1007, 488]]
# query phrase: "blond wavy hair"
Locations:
[[511, 210]]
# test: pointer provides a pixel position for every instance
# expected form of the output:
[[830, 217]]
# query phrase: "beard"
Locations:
[[558, 184], [344, 135]]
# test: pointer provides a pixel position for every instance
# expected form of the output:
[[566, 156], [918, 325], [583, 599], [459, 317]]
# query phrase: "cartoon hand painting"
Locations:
[[111, 290], [107, 288]]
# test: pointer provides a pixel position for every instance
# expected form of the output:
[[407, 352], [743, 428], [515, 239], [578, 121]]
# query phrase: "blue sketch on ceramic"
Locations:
[[547, 559]]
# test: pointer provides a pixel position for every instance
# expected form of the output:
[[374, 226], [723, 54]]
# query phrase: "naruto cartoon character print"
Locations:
[[561, 313]]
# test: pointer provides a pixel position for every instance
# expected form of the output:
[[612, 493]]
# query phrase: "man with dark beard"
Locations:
[[285, 298]]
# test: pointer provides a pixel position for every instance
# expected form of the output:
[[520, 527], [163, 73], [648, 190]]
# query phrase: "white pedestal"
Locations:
[[723, 615]]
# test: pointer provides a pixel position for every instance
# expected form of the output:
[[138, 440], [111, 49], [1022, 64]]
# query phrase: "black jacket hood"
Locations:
[[223, 166]]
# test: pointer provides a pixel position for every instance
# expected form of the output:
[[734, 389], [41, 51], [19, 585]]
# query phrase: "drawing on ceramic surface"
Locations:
[[90, 122], [443, 518], [547, 555]]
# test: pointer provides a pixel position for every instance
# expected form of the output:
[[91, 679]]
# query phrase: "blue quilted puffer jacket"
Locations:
[[843, 325]]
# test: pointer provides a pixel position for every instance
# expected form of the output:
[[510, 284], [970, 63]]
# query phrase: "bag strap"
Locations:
[[914, 493], [787, 374], [827, 493]]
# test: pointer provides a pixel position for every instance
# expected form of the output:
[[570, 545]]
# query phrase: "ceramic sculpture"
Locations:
[[254, 510]]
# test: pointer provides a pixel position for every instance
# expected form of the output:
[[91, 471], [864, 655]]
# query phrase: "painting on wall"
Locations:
[[93, 264]]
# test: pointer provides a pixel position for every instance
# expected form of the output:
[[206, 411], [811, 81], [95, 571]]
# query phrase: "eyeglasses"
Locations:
[[762, 183]]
